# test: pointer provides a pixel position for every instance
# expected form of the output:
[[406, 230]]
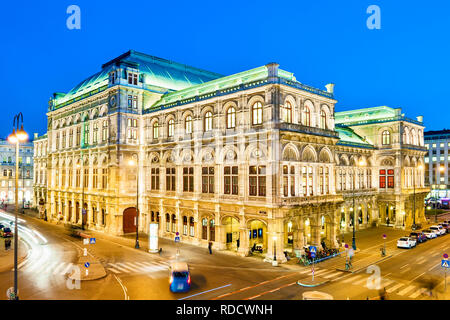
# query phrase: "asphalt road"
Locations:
[[134, 274]]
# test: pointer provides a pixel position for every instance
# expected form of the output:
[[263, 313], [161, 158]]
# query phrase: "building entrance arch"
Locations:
[[129, 220]]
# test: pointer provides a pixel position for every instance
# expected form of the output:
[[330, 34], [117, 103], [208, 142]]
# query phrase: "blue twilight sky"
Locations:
[[405, 64]]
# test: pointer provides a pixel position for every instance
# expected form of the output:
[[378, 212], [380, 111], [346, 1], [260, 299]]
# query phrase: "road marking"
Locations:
[[273, 290], [352, 279], [113, 270], [254, 297], [417, 293], [69, 266], [126, 265], [47, 267], [322, 272], [392, 289], [140, 264], [123, 288], [206, 291], [407, 289], [360, 282], [58, 268], [256, 285], [332, 275], [118, 267], [385, 282], [421, 260], [304, 271], [405, 270], [404, 266]]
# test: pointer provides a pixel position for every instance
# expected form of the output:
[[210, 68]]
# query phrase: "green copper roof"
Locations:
[[224, 83], [348, 136], [157, 72], [367, 114]]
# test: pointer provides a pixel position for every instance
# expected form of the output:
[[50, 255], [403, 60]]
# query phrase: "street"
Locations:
[[133, 274]]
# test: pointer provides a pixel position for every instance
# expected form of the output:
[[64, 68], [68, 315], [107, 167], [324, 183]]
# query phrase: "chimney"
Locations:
[[330, 88]]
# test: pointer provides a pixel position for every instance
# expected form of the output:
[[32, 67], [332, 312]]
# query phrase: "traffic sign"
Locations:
[[445, 256], [384, 236], [87, 264], [177, 238], [445, 264], [312, 250], [92, 240]]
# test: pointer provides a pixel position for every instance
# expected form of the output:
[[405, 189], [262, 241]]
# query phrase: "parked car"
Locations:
[[6, 232], [406, 242], [418, 236], [439, 229], [446, 226], [430, 234]]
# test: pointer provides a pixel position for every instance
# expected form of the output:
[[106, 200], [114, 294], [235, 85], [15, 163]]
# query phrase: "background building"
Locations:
[[438, 156], [8, 173], [251, 158]]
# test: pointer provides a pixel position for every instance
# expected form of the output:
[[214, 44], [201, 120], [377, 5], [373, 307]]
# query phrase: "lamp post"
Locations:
[[274, 262], [17, 136], [441, 169], [131, 163], [420, 167], [360, 164]]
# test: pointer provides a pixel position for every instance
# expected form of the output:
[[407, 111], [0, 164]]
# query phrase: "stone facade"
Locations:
[[255, 158]]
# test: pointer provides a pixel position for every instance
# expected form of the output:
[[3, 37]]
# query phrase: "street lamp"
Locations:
[[441, 169], [17, 136], [274, 262], [132, 163], [361, 163]]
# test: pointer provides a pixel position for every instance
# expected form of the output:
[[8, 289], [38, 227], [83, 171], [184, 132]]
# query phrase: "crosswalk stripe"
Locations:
[[360, 282], [127, 266], [392, 289], [323, 272], [352, 279], [417, 293], [421, 260], [118, 267], [113, 270], [332, 275], [46, 267], [58, 268], [304, 271], [66, 270], [140, 264], [407, 289], [385, 282]]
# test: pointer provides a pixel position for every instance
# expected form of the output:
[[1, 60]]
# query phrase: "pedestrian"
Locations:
[[210, 247], [160, 251], [237, 243], [59, 217], [387, 221], [45, 215]]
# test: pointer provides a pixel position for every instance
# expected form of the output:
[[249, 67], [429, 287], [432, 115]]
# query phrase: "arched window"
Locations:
[[286, 115], [208, 121], [231, 118], [307, 117], [323, 120], [188, 124], [156, 130], [167, 222], [257, 113], [386, 137], [174, 223], [104, 132], [171, 128]]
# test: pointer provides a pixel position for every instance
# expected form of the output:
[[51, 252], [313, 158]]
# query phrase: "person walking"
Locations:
[[210, 247], [387, 221], [59, 217]]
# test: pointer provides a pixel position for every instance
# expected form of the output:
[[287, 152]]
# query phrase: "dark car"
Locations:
[[446, 226], [6, 232], [419, 236]]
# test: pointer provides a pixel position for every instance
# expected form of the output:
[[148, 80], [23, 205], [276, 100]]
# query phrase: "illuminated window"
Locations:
[[286, 112], [434, 145], [208, 121], [231, 118], [441, 145], [323, 120], [427, 146], [257, 181], [156, 130], [306, 117], [95, 134], [171, 128], [257, 113], [386, 137], [208, 180], [434, 159], [427, 160], [188, 124]]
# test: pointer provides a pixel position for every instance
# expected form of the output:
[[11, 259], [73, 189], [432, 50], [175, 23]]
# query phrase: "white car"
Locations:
[[406, 242], [430, 234], [438, 229]]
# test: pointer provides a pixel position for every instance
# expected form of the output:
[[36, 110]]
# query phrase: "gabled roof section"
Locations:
[[366, 114], [157, 72], [349, 137]]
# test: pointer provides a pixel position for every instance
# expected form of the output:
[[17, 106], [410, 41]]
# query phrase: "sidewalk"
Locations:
[[7, 257]]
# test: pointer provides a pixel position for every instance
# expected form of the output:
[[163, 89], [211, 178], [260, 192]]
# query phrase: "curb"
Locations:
[[19, 260], [307, 282]]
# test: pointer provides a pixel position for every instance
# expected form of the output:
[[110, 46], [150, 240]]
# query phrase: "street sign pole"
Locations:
[[445, 271]]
